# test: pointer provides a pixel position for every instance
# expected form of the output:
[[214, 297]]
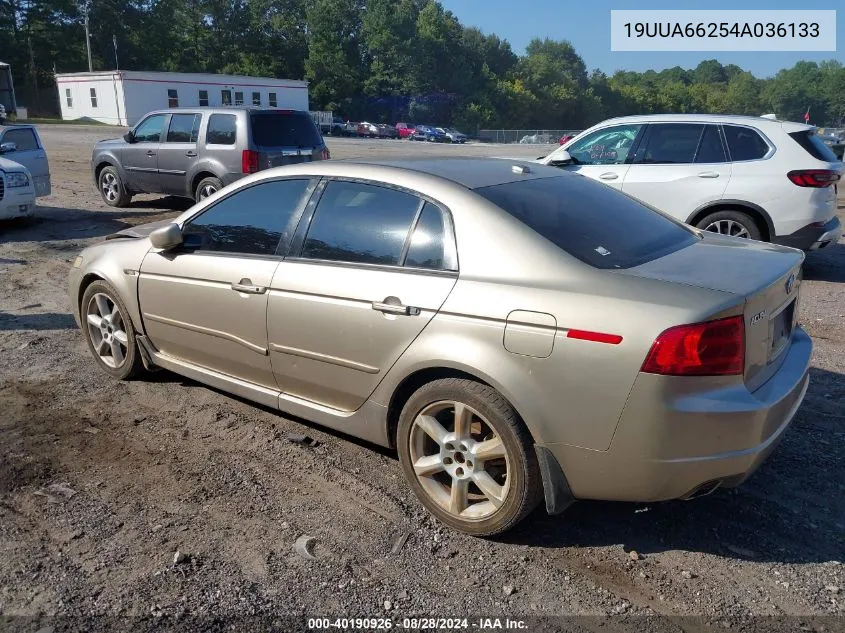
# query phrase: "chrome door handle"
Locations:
[[150, 152], [395, 308], [246, 285], [708, 174], [190, 153], [609, 176]]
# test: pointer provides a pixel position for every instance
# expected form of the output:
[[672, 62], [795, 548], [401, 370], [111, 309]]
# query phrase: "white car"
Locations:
[[17, 193], [752, 177], [22, 144]]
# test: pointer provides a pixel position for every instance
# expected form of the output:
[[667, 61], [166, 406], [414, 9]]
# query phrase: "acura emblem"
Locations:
[[790, 283]]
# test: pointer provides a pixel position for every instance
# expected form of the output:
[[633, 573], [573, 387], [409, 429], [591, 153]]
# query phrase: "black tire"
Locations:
[[731, 222], [207, 187], [525, 488], [111, 187], [132, 364]]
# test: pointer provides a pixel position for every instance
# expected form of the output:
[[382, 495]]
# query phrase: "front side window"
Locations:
[[272, 99], [222, 129], [93, 97], [596, 224], [360, 223], [172, 98], [744, 143], [184, 128], [251, 221], [428, 241], [23, 138], [150, 129], [256, 98], [226, 97], [203, 98], [239, 98], [69, 98], [608, 146], [669, 144]]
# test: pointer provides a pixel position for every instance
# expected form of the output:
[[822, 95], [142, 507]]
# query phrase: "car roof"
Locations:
[[224, 109], [471, 173], [18, 126], [739, 119]]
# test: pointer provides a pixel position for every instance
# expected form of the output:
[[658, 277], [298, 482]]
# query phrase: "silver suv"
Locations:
[[195, 152]]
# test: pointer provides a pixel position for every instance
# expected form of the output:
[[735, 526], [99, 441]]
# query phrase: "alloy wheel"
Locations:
[[106, 330], [727, 227], [460, 461], [110, 186], [207, 191]]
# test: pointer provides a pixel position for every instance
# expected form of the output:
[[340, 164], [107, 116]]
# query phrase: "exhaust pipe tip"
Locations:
[[703, 490]]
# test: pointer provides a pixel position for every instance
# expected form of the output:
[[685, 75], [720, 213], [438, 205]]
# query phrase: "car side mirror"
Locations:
[[129, 137], [5, 148], [562, 158], [167, 237]]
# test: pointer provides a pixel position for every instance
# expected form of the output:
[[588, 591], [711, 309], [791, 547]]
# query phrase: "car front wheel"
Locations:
[[111, 188], [468, 456], [109, 332]]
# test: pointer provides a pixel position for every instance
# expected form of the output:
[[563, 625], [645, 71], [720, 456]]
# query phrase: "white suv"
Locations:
[[752, 177]]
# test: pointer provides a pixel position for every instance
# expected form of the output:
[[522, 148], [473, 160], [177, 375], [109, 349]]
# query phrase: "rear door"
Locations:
[[604, 154], [678, 168], [140, 159], [178, 152], [30, 153], [372, 266], [284, 137]]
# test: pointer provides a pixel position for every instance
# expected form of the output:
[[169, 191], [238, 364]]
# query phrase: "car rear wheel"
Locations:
[[735, 223], [468, 456], [207, 187], [109, 332], [112, 189]]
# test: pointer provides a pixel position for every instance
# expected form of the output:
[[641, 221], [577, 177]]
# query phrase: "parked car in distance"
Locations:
[[338, 126], [387, 131], [22, 144], [746, 176], [453, 135], [351, 128], [535, 139], [566, 138], [405, 130], [17, 190], [195, 152], [835, 142], [428, 133], [656, 371], [369, 130]]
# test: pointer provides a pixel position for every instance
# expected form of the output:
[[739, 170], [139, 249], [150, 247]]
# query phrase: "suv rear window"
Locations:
[[814, 145], [284, 129], [599, 225]]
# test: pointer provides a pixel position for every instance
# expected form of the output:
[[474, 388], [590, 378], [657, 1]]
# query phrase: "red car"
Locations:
[[405, 130], [566, 138]]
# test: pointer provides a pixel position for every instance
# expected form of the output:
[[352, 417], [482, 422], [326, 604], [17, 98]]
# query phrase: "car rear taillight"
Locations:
[[325, 155], [813, 177], [712, 348], [249, 161]]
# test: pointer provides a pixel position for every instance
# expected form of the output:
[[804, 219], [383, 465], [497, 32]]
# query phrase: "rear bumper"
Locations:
[[812, 237], [674, 440]]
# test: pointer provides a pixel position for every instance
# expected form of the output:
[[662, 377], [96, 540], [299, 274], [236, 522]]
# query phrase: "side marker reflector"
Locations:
[[596, 337]]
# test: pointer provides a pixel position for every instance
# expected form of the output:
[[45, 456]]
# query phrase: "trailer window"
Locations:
[[93, 97], [226, 97], [273, 102], [203, 98], [172, 98], [69, 98], [256, 98], [239, 98]]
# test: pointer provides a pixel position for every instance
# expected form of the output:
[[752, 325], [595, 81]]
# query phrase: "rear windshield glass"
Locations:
[[814, 145], [599, 225], [284, 129]]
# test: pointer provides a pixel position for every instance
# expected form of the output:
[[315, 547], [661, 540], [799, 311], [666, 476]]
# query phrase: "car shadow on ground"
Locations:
[[36, 321], [827, 264], [172, 203]]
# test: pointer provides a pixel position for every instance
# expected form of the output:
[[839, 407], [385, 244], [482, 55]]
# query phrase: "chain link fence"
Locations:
[[533, 137]]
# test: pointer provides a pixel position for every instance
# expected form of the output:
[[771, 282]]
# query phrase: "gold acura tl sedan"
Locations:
[[514, 331]]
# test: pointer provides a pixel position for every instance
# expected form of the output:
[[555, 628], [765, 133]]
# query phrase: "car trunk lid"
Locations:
[[765, 276]]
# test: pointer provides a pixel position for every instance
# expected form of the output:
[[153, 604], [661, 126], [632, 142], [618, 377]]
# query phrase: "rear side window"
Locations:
[[284, 129], [222, 129], [184, 128], [744, 143], [360, 223], [599, 225], [814, 146], [23, 138], [250, 222]]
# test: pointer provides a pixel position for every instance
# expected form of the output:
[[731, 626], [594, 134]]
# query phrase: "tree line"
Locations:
[[388, 60]]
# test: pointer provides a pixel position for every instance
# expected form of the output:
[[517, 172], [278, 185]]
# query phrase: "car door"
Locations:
[[206, 301], [30, 153], [140, 158], [178, 152], [357, 290], [678, 168], [602, 155]]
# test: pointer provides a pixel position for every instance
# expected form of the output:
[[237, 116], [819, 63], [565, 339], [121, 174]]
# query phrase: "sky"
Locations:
[[586, 24]]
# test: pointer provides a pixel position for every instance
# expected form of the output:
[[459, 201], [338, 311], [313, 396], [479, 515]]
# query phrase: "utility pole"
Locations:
[[85, 9]]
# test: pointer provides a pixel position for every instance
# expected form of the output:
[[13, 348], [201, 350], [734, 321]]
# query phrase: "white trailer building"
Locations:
[[121, 97]]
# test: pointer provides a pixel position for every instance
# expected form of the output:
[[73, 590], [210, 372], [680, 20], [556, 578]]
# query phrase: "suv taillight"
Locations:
[[249, 161], [712, 348], [325, 155], [813, 177]]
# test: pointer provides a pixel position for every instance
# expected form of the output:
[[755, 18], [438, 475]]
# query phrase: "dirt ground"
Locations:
[[101, 482]]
